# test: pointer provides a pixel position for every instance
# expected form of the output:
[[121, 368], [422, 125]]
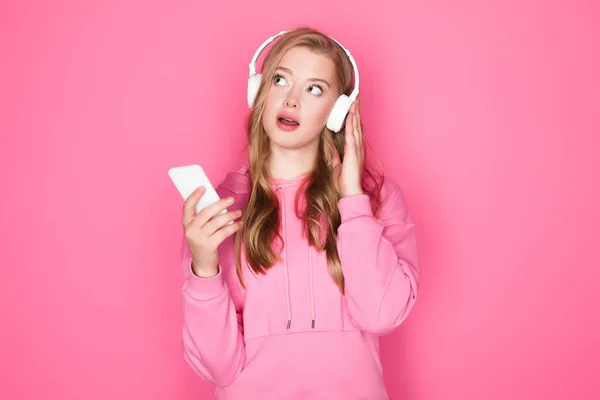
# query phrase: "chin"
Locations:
[[286, 143], [289, 140]]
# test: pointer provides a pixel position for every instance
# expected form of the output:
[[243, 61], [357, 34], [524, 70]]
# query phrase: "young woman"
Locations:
[[288, 300]]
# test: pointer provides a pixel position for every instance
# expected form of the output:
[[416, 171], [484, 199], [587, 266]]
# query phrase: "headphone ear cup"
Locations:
[[253, 84], [338, 113]]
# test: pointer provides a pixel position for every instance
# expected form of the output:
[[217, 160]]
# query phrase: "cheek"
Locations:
[[272, 101], [269, 109], [321, 112]]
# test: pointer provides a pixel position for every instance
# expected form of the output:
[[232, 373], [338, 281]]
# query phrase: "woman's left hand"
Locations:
[[348, 174]]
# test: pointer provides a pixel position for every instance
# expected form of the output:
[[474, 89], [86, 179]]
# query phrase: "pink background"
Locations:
[[486, 113]]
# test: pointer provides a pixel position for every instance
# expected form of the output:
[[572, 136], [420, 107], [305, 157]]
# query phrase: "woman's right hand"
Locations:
[[204, 235]]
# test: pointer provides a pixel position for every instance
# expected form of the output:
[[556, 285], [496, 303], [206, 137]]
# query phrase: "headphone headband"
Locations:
[[252, 65]]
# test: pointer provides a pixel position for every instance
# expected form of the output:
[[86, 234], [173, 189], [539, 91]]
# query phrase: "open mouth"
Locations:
[[288, 121]]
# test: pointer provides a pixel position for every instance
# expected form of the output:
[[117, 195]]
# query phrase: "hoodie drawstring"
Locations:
[[286, 273], [285, 264], [312, 290]]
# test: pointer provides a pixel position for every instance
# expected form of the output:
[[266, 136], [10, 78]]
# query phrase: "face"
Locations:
[[301, 96]]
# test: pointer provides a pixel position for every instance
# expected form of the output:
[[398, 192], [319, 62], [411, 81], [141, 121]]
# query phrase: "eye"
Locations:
[[318, 87], [277, 79]]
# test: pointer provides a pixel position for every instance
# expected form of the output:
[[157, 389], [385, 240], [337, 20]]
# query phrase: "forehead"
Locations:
[[306, 63]]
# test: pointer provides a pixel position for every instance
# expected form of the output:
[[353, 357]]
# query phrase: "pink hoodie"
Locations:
[[291, 334]]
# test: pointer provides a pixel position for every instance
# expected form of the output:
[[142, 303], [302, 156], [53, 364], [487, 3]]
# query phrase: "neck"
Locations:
[[288, 164]]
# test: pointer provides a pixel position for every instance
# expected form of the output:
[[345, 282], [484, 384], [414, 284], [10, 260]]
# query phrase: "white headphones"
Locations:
[[342, 105]]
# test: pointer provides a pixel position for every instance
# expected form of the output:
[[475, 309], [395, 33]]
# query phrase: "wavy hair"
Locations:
[[321, 215]]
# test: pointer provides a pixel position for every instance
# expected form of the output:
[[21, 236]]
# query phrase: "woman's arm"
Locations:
[[379, 260], [213, 340]]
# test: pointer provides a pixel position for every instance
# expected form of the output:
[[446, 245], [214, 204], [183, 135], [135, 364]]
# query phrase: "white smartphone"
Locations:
[[188, 178]]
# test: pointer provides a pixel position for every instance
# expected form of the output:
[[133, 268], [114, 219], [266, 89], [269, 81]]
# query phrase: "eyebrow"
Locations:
[[289, 71]]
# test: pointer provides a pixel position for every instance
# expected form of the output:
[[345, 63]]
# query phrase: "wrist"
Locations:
[[203, 271], [353, 192]]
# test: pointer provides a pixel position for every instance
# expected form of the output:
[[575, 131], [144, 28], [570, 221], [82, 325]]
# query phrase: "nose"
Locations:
[[291, 100]]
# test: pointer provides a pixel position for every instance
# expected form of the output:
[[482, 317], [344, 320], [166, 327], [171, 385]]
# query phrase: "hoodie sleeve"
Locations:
[[379, 260], [213, 343]]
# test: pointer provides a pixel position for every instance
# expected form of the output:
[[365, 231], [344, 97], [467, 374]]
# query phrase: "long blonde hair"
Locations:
[[321, 216]]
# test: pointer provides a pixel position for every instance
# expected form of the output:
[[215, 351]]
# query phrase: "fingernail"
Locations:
[[229, 200]]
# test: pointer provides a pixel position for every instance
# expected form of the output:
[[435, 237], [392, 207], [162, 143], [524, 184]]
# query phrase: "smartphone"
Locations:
[[188, 178]]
